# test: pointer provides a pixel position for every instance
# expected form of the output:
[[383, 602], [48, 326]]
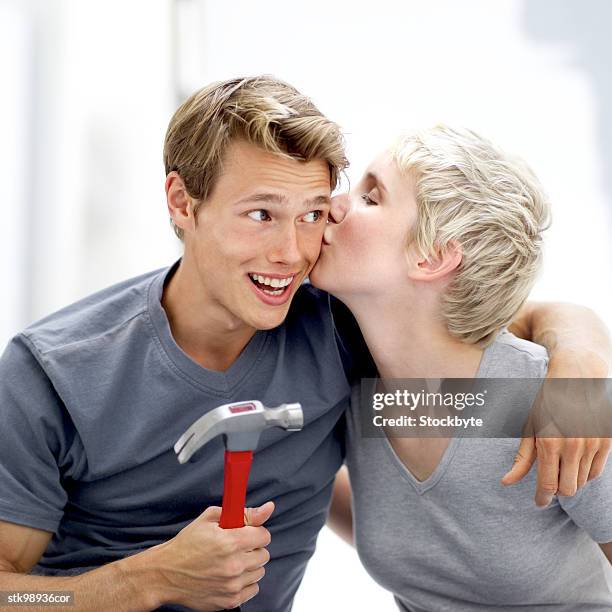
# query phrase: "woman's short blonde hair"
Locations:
[[493, 206], [261, 110]]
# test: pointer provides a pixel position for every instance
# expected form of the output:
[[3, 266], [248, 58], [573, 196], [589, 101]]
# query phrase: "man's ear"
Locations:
[[180, 203], [438, 265]]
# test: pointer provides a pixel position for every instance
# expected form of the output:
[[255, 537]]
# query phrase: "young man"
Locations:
[[95, 396]]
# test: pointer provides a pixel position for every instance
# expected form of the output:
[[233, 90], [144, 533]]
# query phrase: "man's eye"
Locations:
[[368, 200], [313, 216], [259, 215]]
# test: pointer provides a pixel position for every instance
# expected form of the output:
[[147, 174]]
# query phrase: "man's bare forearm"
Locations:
[[122, 586], [569, 331]]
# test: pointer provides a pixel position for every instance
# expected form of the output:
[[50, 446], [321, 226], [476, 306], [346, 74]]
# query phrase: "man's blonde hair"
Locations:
[[261, 110], [493, 206]]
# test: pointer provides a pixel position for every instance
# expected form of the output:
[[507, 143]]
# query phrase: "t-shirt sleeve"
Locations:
[[34, 437], [590, 507]]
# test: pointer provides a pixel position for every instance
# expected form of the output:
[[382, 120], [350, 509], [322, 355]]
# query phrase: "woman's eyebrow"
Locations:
[[372, 176]]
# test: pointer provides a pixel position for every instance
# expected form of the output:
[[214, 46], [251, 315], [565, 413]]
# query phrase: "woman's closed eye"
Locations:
[[368, 200]]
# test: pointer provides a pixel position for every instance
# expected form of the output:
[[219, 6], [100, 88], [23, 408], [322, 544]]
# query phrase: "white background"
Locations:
[[88, 88]]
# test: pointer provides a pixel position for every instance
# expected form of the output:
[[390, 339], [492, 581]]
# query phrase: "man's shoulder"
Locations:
[[93, 316], [323, 316], [308, 306], [315, 306], [309, 296]]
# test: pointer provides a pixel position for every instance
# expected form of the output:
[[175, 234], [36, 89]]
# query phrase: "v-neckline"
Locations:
[[422, 486]]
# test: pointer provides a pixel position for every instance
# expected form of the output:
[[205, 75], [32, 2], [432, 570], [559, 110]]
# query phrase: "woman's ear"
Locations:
[[439, 264]]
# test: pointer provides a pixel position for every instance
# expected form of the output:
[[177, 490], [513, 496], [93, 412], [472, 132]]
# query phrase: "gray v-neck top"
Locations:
[[460, 541]]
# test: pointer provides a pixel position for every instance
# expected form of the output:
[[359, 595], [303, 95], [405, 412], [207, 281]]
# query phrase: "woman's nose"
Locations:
[[339, 207]]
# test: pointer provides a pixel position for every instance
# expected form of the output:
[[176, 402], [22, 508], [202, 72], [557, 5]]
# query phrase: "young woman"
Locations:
[[434, 252]]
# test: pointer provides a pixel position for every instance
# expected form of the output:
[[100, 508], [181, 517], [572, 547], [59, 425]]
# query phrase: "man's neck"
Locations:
[[211, 336], [409, 340]]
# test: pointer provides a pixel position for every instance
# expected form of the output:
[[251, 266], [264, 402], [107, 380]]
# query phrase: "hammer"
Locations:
[[241, 425]]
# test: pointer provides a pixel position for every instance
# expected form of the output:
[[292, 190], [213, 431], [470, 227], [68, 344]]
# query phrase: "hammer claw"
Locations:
[[241, 425], [180, 445]]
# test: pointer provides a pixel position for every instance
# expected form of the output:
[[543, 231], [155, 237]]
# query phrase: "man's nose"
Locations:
[[340, 205], [286, 247]]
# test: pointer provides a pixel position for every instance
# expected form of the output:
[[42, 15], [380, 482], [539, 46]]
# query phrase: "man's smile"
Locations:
[[272, 289]]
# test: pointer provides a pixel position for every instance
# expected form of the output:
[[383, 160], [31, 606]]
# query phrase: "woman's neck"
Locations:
[[409, 340]]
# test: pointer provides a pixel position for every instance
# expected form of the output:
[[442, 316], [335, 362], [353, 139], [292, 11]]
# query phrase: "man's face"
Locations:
[[259, 233]]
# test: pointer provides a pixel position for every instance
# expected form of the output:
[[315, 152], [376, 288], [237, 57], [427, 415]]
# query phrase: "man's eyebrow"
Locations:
[[277, 198], [372, 176], [318, 201]]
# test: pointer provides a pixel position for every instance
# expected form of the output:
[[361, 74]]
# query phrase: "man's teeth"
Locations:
[[279, 283]]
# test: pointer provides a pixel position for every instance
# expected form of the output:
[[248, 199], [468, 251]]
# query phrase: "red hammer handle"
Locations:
[[235, 478]]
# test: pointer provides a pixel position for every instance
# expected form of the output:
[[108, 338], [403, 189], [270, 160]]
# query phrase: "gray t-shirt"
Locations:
[[93, 398], [460, 541]]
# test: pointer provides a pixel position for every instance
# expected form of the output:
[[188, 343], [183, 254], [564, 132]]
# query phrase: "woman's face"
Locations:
[[364, 251]]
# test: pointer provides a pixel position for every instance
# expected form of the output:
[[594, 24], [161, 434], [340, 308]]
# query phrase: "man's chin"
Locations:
[[271, 319]]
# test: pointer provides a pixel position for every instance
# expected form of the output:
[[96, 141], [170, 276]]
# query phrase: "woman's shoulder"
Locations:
[[512, 357]]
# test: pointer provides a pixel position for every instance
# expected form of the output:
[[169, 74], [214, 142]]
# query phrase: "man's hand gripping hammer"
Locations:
[[241, 425]]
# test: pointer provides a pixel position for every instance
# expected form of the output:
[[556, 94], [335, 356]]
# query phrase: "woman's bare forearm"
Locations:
[[340, 518]]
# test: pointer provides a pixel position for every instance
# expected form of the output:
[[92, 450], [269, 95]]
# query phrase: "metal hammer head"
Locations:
[[241, 424]]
